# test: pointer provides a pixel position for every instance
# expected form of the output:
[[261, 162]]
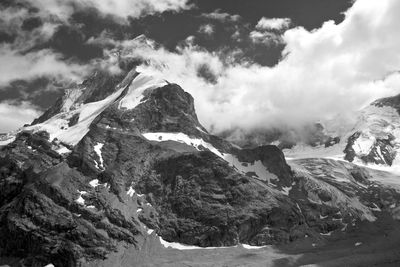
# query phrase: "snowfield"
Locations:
[[135, 92], [57, 126], [372, 123]]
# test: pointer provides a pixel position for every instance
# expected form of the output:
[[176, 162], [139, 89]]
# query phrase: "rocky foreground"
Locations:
[[121, 166]]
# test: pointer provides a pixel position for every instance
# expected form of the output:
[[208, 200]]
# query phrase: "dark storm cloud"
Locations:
[[72, 43], [6, 37], [39, 91], [31, 23]]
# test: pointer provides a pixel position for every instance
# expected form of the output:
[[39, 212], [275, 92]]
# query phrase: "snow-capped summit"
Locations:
[[70, 119]]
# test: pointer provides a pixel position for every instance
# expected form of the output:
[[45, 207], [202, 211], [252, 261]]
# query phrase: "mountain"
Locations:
[[372, 139], [120, 169]]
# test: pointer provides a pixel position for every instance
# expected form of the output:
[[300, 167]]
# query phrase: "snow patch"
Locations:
[[7, 141], [286, 190], [375, 208], [198, 143], [94, 183], [63, 150], [97, 148], [363, 144], [180, 246], [256, 168], [246, 246], [130, 192], [326, 234], [80, 199], [201, 130]]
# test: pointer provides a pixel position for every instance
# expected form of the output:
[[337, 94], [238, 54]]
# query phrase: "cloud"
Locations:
[[337, 68], [273, 24], [268, 38], [14, 116], [36, 64], [123, 9], [221, 16], [207, 29], [268, 31]]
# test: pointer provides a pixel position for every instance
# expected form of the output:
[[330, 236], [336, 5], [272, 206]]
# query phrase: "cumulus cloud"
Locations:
[[15, 115], [273, 24], [268, 31], [334, 69]]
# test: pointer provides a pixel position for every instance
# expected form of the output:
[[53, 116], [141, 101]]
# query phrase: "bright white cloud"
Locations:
[[268, 31], [273, 24], [334, 69], [14, 116]]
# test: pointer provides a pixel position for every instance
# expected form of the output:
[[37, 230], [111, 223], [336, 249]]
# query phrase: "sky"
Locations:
[[248, 64]]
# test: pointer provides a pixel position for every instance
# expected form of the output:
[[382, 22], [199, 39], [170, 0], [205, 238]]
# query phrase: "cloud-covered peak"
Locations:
[[337, 68]]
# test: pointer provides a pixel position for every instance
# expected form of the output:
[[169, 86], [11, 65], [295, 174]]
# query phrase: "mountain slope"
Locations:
[[122, 160]]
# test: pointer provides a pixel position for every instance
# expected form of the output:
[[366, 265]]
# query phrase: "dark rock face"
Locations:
[[332, 141], [271, 157], [382, 151], [350, 154], [202, 201], [40, 220], [393, 102]]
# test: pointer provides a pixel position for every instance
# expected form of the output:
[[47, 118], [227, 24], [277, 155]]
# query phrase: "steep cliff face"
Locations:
[[119, 160]]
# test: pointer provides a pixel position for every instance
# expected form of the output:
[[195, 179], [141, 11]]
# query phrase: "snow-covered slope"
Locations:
[[59, 125], [373, 139], [73, 121], [139, 85]]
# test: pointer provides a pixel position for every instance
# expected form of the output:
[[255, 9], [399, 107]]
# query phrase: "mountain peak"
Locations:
[[122, 161]]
